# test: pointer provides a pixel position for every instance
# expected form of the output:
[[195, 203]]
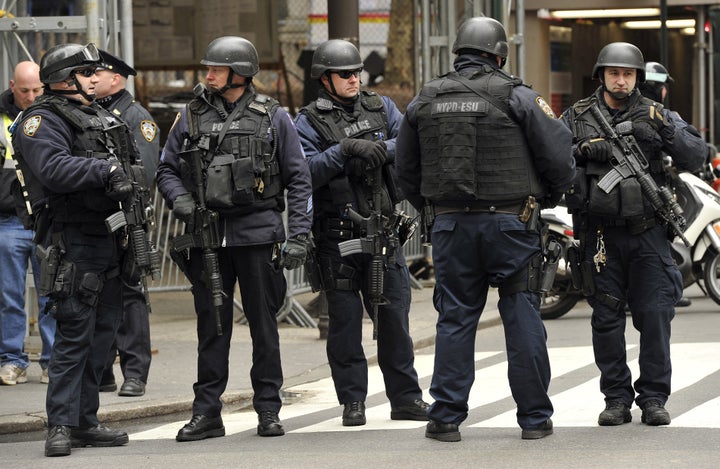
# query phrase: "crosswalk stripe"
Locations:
[[577, 406]]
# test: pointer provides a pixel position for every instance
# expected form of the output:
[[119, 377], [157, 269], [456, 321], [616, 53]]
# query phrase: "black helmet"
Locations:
[[58, 63], [235, 52], [620, 54], [483, 34], [656, 72], [335, 54]]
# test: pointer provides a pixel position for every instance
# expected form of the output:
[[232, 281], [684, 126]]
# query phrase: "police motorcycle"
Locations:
[[698, 263]]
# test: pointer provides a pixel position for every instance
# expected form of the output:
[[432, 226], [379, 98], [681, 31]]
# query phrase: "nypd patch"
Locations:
[[148, 130], [545, 107], [31, 125]]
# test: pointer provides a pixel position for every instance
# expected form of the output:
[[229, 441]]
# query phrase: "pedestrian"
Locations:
[[71, 153], [229, 157], [132, 342], [482, 152], [624, 240], [348, 135], [17, 247]]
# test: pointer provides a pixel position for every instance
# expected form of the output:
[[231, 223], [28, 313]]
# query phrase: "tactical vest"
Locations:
[[242, 172], [98, 134], [470, 146], [368, 121], [625, 200]]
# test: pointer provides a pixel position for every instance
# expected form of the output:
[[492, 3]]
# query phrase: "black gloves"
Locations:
[[118, 186], [184, 207], [295, 251], [596, 149], [650, 114], [373, 153]]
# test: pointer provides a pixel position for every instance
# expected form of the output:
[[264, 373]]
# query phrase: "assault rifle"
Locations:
[[203, 231], [378, 242], [137, 216], [628, 161]]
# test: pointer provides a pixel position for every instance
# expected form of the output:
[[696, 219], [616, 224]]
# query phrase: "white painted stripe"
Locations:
[[575, 407]]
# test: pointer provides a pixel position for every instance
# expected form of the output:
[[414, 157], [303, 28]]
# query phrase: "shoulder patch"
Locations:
[[31, 125], [149, 130], [545, 107]]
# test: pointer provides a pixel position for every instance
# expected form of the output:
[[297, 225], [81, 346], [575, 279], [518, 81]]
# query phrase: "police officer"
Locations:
[[625, 244], [484, 151], [132, 342], [348, 136], [65, 146], [656, 79], [248, 151]]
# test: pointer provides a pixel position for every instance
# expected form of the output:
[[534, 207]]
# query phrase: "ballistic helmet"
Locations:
[[656, 72], [335, 54], [58, 63], [235, 52], [482, 34], [620, 54]]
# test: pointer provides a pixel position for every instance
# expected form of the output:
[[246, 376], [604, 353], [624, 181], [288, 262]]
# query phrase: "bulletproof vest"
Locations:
[[625, 200], [98, 134], [241, 167], [368, 121], [470, 146]]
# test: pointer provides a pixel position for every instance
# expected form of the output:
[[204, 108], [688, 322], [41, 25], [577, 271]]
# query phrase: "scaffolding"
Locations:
[[107, 23]]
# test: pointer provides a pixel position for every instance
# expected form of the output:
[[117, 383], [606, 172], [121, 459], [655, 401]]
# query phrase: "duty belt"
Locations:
[[471, 206]]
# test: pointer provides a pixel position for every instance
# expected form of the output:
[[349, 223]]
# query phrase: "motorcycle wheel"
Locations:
[[558, 301], [711, 275]]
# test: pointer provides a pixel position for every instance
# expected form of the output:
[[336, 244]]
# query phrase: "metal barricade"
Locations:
[[291, 311], [167, 227]]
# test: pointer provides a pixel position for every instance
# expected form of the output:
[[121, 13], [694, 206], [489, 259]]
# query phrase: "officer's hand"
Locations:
[[596, 149], [294, 251], [184, 207], [649, 114], [118, 186], [374, 153]]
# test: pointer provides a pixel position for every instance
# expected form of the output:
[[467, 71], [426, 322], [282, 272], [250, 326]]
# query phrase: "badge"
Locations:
[[149, 130], [545, 107], [31, 125]]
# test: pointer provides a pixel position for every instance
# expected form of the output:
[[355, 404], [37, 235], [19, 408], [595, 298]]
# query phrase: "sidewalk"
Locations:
[[173, 370]]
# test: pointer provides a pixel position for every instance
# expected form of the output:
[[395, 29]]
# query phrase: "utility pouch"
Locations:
[[89, 289], [588, 282], [573, 257], [243, 176], [65, 281], [49, 264], [219, 185]]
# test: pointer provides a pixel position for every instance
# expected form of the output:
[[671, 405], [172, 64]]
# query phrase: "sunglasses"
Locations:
[[86, 72], [345, 74]]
